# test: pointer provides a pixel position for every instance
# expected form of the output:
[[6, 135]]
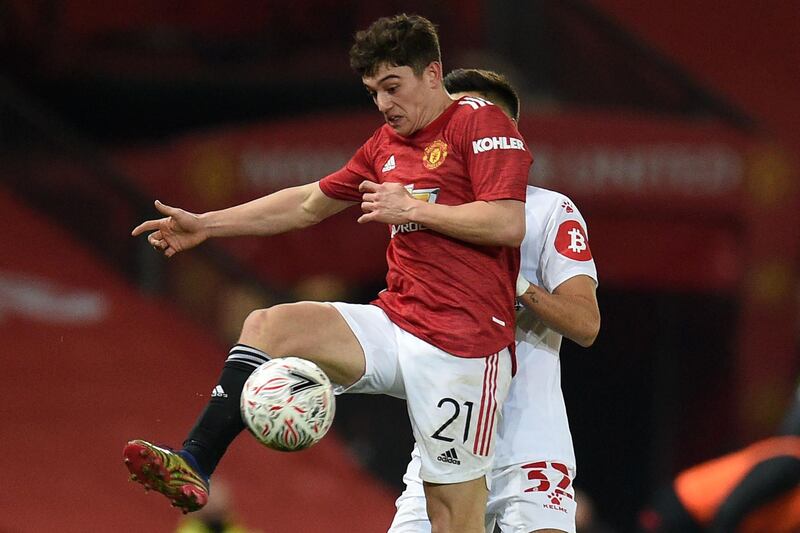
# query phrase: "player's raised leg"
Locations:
[[283, 330], [311, 330]]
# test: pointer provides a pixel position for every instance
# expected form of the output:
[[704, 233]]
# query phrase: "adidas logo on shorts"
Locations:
[[449, 457]]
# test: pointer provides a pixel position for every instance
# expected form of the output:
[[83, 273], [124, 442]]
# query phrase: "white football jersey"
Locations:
[[534, 424]]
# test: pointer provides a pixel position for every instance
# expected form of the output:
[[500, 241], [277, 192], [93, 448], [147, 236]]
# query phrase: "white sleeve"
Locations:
[[566, 252]]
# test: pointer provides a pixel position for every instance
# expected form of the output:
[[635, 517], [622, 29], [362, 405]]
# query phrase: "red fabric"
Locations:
[[432, 278], [89, 363]]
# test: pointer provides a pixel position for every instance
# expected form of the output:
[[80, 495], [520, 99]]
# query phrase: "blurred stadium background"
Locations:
[[673, 125]]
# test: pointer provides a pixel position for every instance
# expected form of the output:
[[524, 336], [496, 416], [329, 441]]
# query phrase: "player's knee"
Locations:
[[255, 325], [263, 328]]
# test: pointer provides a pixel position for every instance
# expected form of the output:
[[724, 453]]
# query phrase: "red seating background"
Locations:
[[75, 390]]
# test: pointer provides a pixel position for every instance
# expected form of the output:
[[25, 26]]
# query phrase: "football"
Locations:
[[288, 404]]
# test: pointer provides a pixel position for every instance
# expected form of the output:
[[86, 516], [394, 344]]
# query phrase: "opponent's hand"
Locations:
[[389, 203], [178, 231]]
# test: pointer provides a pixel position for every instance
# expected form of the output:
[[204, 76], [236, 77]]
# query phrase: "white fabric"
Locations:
[[411, 515], [522, 285], [533, 425], [537, 425], [453, 402], [376, 334], [516, 509], [510, 506]]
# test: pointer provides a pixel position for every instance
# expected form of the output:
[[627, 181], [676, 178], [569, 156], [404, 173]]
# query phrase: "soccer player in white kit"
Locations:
[[531, 479]]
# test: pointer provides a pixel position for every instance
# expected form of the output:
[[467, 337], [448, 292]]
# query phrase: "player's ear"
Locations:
[[433, 74]]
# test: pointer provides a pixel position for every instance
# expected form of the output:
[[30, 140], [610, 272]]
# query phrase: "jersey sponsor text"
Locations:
[[408, 227], [426, 195], [497, 143]]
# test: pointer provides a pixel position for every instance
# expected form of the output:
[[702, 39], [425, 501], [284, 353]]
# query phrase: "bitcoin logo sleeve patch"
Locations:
[[572, 242]]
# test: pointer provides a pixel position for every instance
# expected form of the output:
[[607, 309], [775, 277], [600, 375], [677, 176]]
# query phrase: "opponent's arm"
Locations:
[[494, 223], [282, 211], [570, 310]]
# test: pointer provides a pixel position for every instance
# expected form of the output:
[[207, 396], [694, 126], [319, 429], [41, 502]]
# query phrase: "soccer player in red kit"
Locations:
[[448, 178]]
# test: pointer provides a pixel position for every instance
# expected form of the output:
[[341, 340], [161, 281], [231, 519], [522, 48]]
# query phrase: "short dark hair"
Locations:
[[398, 41], [491, 85]]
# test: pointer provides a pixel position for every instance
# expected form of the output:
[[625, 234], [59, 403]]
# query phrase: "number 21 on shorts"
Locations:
[[449, 403]]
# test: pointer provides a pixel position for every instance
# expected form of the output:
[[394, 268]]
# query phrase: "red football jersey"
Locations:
[[455, 295]]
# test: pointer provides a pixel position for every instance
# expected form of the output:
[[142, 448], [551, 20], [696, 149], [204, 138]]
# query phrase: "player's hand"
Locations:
[[178, 231], [389, 203]]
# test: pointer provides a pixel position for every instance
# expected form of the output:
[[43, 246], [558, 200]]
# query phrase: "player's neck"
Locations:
[[437, 106]]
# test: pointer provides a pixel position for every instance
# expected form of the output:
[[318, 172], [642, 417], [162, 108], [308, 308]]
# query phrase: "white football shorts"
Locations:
[[453, 402], [524, 497]]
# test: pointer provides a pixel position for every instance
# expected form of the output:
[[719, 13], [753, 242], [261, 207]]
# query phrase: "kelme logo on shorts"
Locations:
[[497, 143]]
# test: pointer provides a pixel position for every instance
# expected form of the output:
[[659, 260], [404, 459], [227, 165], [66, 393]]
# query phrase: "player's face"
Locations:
[[402, 97]]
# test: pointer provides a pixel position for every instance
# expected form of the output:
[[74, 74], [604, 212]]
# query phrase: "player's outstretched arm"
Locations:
[[570, 310], [279, 212], [495, 223], [178, 231]]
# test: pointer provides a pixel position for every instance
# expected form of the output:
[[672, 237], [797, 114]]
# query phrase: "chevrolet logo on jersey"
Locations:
[[426, 195]]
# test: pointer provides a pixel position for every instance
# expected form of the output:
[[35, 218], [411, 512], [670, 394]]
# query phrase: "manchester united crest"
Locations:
[[435, 154]]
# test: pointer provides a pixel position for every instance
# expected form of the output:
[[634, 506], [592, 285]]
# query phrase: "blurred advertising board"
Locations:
[[658, 193]]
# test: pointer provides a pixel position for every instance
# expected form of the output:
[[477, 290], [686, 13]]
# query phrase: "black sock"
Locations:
[[221, 420]]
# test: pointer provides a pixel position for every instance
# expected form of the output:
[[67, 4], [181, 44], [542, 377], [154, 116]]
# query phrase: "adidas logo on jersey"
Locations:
[[219, 392], [390, 165], [449, 456]]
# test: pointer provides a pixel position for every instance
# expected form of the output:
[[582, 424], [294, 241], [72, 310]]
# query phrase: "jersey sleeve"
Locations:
[[566, 251], [343, 184], [496, 156]]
